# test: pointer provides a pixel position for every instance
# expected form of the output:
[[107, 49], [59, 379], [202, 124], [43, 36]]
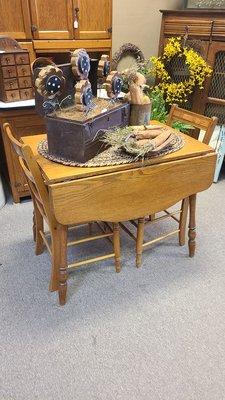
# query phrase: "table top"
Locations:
[[54, 172]]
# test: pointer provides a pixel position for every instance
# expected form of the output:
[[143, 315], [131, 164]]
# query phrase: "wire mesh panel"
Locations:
[[217, 86], [215, 110]]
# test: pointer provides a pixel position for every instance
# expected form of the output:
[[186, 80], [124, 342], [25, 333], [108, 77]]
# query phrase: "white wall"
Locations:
[[139, 22]]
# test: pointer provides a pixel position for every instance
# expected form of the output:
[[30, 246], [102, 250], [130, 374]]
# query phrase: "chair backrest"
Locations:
[[198, 121], [33, 174]]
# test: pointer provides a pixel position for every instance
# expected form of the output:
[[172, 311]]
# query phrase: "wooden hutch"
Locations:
[[49, 28], [207, 29]]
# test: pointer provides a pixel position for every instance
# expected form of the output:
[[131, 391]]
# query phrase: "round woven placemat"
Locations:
[[111, 156]]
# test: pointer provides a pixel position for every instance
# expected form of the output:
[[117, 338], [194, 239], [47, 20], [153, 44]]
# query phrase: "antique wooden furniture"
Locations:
[[51, 28], [58, 233], [15, 72], [207, 125], [205, 29], [55, 26], [24, 121], [38, 222], [197, 121], [124, 192]]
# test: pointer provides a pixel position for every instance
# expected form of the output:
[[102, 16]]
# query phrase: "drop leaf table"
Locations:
[[128, 191]]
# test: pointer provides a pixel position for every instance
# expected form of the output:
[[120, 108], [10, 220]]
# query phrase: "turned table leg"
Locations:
[[63, 274], [59, 262], [192, 226]]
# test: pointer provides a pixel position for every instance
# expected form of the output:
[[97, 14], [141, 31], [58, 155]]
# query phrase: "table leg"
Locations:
[[192, 226], [59, 262]]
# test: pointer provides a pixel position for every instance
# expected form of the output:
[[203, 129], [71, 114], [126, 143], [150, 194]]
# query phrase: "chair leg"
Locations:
[[39, 226], [116, 246], [139, 241], [192, 226], [59, 262], [183, 221], [34, 225]]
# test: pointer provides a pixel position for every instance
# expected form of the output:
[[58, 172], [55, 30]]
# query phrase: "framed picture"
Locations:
[[215, 4]]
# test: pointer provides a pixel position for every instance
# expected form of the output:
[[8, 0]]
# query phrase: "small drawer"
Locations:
[[26, 94], [22, 58], [23, 70], [10, 84], [7, 59], [25, 82], [9, 72], [12, 95]]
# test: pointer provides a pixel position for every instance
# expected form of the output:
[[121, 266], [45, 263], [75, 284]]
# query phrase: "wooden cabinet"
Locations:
[[212, 100], [206, 30], [56, 19], [15, 19], [94, 19], [24, 121], [47, 27], [52, 19]]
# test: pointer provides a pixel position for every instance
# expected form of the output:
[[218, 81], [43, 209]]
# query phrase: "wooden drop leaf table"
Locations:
[[129, 191]]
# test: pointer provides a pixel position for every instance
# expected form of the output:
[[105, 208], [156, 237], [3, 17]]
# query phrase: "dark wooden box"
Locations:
[[81, 141]]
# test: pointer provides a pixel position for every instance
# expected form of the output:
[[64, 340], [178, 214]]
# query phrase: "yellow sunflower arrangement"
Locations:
[[198, 70]]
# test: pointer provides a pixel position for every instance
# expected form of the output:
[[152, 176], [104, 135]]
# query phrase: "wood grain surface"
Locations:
[[125, 195], [54, 172]]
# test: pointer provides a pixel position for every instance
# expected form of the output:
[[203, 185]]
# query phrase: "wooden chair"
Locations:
[[58, 233], [202, 123], [196, 120]]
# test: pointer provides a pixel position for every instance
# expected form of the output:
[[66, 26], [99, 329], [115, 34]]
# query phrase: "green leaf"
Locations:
[[182, 126]]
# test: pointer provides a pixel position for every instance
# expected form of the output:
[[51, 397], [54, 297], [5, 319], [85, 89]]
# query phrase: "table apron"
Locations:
[[130, 194]]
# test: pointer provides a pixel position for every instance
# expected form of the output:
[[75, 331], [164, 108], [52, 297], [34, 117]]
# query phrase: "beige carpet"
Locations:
[[157, 333]]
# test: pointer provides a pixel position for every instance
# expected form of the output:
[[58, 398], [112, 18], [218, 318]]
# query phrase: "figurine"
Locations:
[[136, 95]]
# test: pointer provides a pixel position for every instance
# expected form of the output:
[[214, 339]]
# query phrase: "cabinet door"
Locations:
[[52, 19], [15, 19], [94, 19], [213, 98]]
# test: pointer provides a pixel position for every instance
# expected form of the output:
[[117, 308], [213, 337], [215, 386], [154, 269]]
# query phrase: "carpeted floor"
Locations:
[[151, 334]]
